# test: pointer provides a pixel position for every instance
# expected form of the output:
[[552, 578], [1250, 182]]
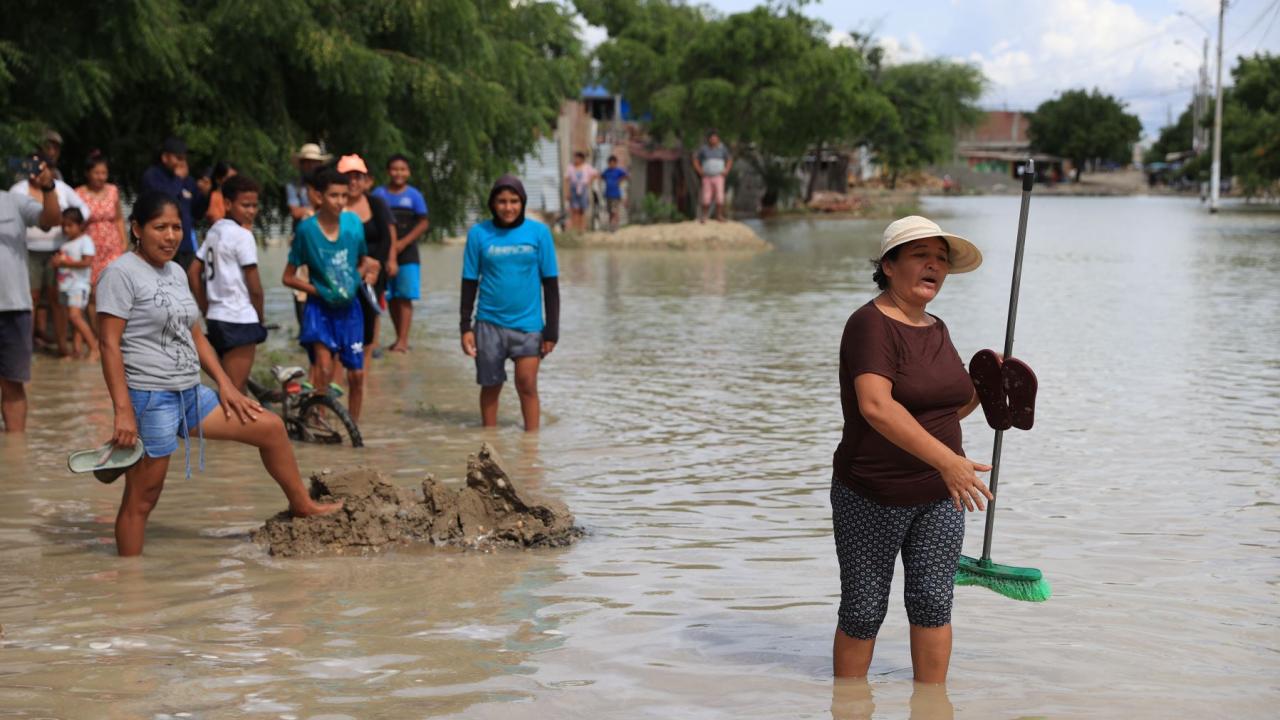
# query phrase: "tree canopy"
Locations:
[[774, 87], [931, 102], [462, 85], [1082, 126], [1251, 124], [1173, 138]]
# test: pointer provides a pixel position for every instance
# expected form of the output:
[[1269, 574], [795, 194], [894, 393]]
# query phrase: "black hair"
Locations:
[[147, 208], [613, 158], [881, 280], [237, 185], [96, 158], [220, 170], [400, 157], [580, 154], [324, 177], [74, 215]]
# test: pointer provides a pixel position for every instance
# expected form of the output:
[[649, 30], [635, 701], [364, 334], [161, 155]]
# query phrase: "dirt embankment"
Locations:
[[491, 511], [689, 235]]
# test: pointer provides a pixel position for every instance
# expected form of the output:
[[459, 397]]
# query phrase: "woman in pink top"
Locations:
[[106, 220]]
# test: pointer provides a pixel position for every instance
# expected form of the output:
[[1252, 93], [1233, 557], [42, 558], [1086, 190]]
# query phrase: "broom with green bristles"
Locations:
[[1019, 583]]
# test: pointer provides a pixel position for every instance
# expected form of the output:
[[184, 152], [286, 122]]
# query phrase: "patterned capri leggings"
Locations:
[[868, 537]]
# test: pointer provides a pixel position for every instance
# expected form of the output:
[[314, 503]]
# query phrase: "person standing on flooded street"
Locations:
[[19, 211], [409, 209], [172, 177], [508, 273], [152, 353], [106, 218], [330, 244], [379, 239], [712, 162], [225, 281], [901, 481]]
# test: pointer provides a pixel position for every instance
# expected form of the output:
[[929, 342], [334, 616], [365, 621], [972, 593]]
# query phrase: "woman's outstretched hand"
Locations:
[[961, 478], [234, 402]]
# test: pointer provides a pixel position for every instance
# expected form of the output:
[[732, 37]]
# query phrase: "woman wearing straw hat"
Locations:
[[901, 481]]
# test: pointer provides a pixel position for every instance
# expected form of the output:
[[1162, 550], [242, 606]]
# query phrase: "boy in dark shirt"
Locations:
[[409, 209]]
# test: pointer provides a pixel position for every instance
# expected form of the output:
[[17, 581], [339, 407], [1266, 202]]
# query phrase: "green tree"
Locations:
[[931, 101], [766, 79], [1081, 126], [1251, 124], [1173, 138], [463, 85]]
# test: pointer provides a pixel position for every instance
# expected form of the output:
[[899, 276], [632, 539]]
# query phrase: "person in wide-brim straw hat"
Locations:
[[311, 151], [901, 481]]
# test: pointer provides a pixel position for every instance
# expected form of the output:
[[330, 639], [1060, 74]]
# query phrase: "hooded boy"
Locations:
[[509, 275]]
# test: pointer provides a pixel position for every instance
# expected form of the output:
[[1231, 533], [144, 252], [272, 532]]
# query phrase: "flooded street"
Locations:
[[691, 410]]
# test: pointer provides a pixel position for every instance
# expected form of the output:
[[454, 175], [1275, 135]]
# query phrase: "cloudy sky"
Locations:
[[1142, 51]]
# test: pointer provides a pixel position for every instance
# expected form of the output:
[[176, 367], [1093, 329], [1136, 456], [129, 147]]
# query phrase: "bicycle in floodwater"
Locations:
[[308, 416]]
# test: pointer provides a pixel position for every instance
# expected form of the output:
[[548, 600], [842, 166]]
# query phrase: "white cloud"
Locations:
[[906, 50], [1105, 44]]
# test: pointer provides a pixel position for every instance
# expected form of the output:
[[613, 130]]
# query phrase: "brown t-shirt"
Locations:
[[929, 380]]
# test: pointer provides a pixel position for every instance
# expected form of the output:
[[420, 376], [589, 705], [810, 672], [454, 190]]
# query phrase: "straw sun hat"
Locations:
[[965, 256], [311, 151]]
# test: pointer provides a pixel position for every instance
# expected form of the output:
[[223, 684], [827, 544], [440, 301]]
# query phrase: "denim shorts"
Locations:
[[163, 416], [494, 344]]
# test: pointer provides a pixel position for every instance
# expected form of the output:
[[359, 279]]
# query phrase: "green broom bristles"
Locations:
[[1017, 583]]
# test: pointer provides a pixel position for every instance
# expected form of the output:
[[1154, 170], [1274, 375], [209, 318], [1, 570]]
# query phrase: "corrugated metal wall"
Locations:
[[540, 172]]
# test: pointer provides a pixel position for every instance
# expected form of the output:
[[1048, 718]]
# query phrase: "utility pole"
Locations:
[[1215, 176], [1202, 101]]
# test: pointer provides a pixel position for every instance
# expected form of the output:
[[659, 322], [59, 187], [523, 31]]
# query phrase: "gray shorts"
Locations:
[[39, 270], [495, 344], [15, 345]]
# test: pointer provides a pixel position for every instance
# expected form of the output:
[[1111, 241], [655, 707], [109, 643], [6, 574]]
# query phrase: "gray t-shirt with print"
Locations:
[[158, 310], [17, 213], [713, 159]]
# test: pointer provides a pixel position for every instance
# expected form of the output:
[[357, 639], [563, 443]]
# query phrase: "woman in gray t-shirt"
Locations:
[[152, 353]]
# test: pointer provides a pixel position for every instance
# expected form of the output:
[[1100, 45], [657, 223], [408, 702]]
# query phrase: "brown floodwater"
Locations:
[[691, 412]]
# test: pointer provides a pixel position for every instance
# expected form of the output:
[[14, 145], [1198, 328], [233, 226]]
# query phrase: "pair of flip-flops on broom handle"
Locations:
[[1006, 389]]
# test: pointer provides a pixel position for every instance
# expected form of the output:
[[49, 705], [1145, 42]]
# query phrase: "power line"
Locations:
[[1267, 32], [1253, 25]]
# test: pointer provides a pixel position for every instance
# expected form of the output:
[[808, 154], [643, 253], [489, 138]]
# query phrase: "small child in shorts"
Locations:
[[73, 265]]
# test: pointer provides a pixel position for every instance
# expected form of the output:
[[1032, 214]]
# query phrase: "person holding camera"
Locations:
[[19, 211], [42, 246]]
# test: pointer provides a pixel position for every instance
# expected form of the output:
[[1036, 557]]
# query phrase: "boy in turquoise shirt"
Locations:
[[330, 244]]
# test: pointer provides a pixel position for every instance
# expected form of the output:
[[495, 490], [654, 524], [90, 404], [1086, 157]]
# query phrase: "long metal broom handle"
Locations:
[[1028, 181]]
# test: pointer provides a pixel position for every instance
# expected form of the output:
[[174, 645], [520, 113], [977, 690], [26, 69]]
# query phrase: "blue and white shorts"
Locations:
[[339, 330]]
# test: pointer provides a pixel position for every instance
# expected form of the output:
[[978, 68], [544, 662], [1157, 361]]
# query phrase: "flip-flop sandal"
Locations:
[[107, 463], [1020, 387], [988, 381]]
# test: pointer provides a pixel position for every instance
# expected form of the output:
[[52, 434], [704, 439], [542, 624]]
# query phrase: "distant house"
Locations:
[[999, 144]]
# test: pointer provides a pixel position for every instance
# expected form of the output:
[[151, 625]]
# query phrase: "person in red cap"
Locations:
[[379, 237]]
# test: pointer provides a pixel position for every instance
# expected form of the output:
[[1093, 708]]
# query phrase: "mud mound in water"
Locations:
[[711, 235], [490, 512]]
